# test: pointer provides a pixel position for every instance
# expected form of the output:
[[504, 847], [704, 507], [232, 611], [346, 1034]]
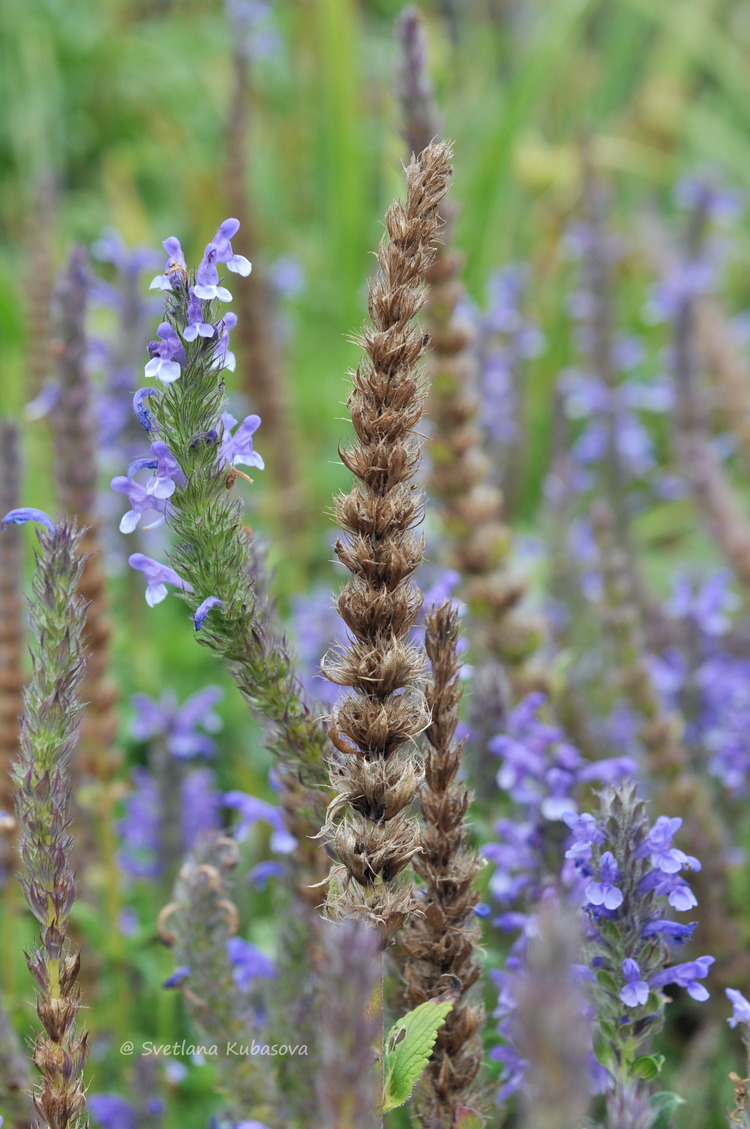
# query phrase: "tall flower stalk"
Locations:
[[374, 728], [42, 773], [711, 489], [679, 786], [77, 473], [200, 924], [196, 447], [441, 942]]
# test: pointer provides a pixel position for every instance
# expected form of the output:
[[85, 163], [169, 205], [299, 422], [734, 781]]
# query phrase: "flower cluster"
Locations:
[[170, 804], [542, 773], [193, 336], [629, 874]]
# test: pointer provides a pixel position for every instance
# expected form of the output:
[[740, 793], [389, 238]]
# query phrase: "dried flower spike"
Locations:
[[441, 942], [375, 727]]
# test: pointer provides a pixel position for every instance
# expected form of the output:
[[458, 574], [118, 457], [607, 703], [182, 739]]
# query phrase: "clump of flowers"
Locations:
[[630, 876]]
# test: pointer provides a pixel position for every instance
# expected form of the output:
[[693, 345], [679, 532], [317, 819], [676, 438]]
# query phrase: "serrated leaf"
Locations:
[[664, 1105], [408, 1048], [647, 1067]]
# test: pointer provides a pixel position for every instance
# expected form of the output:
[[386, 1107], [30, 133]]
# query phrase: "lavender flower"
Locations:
[[157, 577], [167, 355], [178, 725], [237, 449], [142, 501], [625, 946], [24, 514], [740, 1007], [248, 962], [146, 829], [201, 614], [253, 810]]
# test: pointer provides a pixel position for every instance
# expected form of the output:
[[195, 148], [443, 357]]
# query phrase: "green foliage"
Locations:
[[664, 1105], [647, 1067], [408, 1047]]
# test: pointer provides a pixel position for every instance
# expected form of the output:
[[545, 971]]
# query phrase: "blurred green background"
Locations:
[[122, 107]]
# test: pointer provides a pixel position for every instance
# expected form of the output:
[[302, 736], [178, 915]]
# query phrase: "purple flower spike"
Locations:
[[157, 577], [21, 516], [635, 992], [740, 1007], [167, 355], [200, 616], [605, 892]]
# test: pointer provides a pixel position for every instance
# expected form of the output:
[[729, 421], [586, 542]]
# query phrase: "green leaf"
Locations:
[[664, 1105], [647, 1067], [607, 980], [408, 1048]]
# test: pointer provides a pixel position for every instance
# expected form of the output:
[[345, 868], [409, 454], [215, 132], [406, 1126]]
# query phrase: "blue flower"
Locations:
[[196, 326], [686, 976], [249, 962], [112, 1111], [635, 992], [167, 355], [252, 810], [605, 892], [237, 448], [740, 1007], [202, 612], [585, 834], [672, 930], [658, 844], [142, 501], [177, 725], [177, 976], [21, 516], [224, 357], [175, 264], [201, 806], [143, 415], [157, 577]]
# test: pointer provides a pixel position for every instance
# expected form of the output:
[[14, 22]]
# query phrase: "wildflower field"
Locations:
[[374, 564]]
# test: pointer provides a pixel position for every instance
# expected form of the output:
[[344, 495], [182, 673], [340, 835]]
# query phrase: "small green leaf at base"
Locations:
[[664, 1105], [408, 1048], [647, 1067]]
